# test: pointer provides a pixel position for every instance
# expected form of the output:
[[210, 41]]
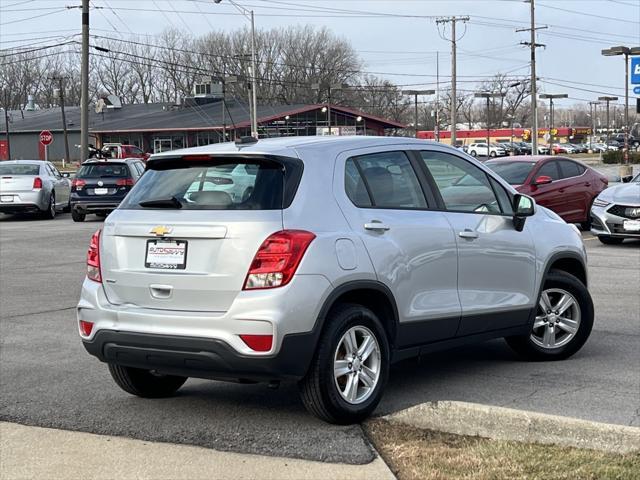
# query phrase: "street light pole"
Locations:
[[551, 97], [626, 52], [415, 94], [84, 76], [488, 96], [592, 111], [607, 100]]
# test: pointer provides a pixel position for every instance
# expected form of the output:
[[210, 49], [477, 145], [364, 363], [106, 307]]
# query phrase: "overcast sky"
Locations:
[[396, 38]]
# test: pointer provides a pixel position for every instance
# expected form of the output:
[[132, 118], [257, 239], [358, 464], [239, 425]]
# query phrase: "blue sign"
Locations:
[[636, 90], [635, 70]]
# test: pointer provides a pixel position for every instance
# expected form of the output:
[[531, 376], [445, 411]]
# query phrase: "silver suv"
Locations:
[[335, 258]]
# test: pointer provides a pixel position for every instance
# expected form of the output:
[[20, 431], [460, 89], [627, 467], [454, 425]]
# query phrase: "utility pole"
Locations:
[[534, 89], [607, 100], [415, 94], [5, 98], [84, 75], [437, 129], [330, 88], [551, 97], [454, 101], [60, 80]]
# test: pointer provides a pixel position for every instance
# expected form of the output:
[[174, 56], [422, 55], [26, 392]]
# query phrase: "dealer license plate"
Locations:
[[166, 254], [6, 198], [100, 191], [631, 225]]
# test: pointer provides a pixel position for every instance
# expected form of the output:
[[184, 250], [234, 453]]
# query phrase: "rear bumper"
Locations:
[[30, 201], [201, 357], [94, 206]]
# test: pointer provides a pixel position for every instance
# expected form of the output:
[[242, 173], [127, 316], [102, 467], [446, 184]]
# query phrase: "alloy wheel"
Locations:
[[557, 320], [357, 365]]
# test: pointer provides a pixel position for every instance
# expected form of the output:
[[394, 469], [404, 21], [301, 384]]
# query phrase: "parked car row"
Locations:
[[36, 186]]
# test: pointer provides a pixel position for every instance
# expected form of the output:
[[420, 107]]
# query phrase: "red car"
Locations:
[[566, 186]]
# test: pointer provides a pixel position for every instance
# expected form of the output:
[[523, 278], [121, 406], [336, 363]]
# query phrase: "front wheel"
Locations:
[[492, 154], [346, 378], [145, 383], [473, 153], [610, 240], [563, 321]]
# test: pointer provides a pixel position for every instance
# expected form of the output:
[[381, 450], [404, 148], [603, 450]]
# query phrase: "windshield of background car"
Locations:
[[99, 170], [513, 172], [18, 169], [221, 185]]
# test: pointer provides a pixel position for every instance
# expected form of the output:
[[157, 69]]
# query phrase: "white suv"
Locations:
[[480, 150], [346, 255]]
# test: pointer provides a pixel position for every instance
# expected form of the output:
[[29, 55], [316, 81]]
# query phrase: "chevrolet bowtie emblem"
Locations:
[[161, 230]]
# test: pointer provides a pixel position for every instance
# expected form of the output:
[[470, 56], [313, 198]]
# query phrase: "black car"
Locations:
[[100, 186]]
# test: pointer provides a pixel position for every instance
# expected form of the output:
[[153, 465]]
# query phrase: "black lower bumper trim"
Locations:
[[202, 357], [93, 207]]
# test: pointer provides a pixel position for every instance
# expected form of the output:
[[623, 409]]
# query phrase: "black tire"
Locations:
[[318, 389], [77, 216], [143, 383], [525, 347], [492, 154], [610, 240], [473, 153], [50, 212]]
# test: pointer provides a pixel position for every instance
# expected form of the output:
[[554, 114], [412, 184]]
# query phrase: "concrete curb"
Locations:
[[500, 423], [36, 452]]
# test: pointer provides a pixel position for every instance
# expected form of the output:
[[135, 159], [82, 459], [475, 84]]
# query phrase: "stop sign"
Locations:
[[46, 138]]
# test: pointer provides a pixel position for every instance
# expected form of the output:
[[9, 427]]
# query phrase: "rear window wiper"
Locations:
[[171, 202]]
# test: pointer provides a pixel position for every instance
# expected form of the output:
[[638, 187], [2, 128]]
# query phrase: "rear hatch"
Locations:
[[100, 181], [185, 236]]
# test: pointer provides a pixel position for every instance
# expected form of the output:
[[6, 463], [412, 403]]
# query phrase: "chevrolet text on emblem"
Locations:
[[161, 230]]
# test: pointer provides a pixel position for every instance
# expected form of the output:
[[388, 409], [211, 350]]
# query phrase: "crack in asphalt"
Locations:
[[38, 313]]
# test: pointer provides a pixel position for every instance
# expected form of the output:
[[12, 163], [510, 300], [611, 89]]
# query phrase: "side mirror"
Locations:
[[523, 207], [543, 180], [627, 178], [66, 175]]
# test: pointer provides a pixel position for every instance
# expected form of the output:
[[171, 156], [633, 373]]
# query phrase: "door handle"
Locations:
[[587, 184], [561, 190], [376, 225], [466, 233]]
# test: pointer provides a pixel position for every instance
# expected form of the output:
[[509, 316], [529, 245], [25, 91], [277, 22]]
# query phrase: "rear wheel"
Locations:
[[77, 216], [50, 212], [610, 240], [346, 378], [473, 153], [563, 321], [145, 383], [492, 154]]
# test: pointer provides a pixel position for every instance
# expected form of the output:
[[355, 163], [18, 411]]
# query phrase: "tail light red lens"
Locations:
[[93, 258], [258, 343], [277, 259], [37, 183], [86, 328], [78, 183], [121, 182]]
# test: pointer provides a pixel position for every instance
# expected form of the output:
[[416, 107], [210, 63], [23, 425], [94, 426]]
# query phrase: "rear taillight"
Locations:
[[37, 183], [86, 328], [277, 259], [122, 182], [93, 258], [258, 343], [78, 183]]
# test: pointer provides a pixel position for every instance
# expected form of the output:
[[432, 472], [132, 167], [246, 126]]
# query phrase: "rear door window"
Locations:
[[216, 185], [570, 169], [383, 180], [549, 169]]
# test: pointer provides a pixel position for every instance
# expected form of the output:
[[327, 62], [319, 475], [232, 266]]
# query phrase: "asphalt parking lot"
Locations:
[[47, 379]]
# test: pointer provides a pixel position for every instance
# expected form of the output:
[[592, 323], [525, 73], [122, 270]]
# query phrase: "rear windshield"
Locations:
[[216, 185], [17, 169], [513, 172], [98, 170]]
